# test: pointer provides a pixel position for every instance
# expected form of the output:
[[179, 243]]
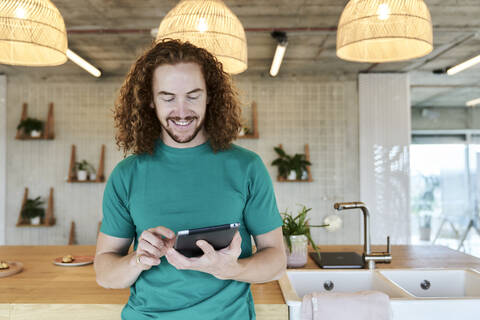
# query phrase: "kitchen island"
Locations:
[[45, 291]]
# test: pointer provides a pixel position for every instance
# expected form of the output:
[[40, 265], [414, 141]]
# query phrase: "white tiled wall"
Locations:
[[292, 112], [3, 154], [384, 106]]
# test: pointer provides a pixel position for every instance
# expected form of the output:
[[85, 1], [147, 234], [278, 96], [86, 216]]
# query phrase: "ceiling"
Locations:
[[112, 33]]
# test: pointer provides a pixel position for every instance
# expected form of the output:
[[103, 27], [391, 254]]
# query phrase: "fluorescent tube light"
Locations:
[[277, 59], [473, 103], [282, 42], [83, 64], [464, 65]]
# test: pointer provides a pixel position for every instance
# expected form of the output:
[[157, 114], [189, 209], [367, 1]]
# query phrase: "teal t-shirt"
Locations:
[[184, 189]]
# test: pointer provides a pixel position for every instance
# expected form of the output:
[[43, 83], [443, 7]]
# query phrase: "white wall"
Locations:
[[320, 112], [385, 129], [3, 155]]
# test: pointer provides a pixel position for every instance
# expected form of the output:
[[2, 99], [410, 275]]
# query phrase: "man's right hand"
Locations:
[[152, 245]]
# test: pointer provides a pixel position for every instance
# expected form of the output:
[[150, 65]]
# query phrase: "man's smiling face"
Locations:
[[180, 102]]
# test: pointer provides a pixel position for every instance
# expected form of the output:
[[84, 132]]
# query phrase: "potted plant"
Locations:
[[283, 163], [31, 126], [244, 130], [298, 164], [32, 211], [83, 168], [291, 168], [296, 233]]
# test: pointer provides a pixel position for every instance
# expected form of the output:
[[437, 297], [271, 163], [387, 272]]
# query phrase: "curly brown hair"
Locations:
[[137, 124]]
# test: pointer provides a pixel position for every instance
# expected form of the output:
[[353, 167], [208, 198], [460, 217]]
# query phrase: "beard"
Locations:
[[179, 139]]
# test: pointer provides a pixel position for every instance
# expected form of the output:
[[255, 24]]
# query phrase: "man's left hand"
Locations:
[[223, 264]]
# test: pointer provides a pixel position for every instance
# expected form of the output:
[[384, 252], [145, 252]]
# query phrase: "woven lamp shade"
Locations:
[[384, 30], [32, 33], [211, 25]]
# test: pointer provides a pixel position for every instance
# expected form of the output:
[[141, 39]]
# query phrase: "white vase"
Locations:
[[92, 176], [304, 175], [35, 133], [82, 175], [292, 175], [297, 258], [35, 221]]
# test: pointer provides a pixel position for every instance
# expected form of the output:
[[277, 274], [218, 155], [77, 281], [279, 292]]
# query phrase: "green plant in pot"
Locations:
[[32, 211], [299, 164], [290, 168], [83, 168], [283, 162], [31, 126], [296, 232]]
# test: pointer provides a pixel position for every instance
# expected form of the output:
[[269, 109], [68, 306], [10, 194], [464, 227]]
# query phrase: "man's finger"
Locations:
[[152, 250], [236, 241], [176, 259], [153, 239], [205, 246], [147, 260], [163, 231]]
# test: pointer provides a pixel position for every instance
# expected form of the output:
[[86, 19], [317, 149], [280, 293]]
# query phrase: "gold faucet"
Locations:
[[369, 257]]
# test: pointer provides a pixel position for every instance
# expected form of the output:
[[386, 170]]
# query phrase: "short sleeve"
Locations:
[[261, 213], [116, 221]]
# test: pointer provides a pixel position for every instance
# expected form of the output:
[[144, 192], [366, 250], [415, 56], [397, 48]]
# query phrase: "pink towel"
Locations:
[[362, 305]]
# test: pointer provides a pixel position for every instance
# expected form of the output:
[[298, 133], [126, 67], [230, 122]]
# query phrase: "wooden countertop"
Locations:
[[43, 282], [411, 257]]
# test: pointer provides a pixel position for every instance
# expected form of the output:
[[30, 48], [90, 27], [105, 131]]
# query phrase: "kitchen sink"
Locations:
[[437, 283], [305, 282], [446, 294]]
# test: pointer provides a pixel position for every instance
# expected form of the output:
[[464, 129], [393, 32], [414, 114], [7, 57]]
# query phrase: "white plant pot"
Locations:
[[292, 175], [35, 221], [297, 258], [82, 175], [241, 133], [305, 175], [35, 133], [92, 176]]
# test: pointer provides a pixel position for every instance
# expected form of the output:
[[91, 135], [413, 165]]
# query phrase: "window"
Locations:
[[443, 184]]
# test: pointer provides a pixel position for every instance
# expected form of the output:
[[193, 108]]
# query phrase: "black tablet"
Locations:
[[219, 237]]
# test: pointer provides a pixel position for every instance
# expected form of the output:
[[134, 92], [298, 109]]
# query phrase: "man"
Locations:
[[178, 113]]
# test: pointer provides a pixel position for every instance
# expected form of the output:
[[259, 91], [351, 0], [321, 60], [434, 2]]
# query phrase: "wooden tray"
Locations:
[[15, 267], [77, 262]]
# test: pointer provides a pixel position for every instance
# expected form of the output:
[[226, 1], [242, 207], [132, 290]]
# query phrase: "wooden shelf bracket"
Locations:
[[309, 175], [47, 221], [255, 134], [72, 174], [48, 129]]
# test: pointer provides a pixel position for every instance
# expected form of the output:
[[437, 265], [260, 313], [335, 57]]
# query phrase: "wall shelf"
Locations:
[[254, 134], [47, 221], [72, 175], [309, 175], [48, 129]]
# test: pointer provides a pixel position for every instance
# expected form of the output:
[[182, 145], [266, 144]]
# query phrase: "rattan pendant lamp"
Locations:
[[209, 24], [384, 31], [32, 33]]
